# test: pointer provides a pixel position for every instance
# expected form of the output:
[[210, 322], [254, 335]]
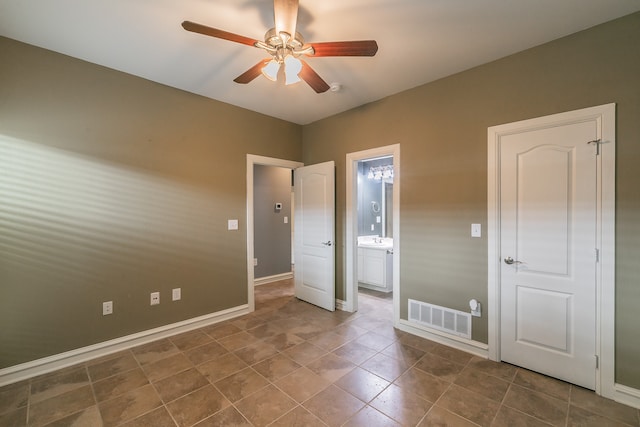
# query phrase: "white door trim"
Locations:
[[251, 161], [351, 245], [605, 280]]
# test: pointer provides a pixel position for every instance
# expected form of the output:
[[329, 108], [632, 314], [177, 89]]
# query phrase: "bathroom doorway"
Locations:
[[375, 226], [372, 228]]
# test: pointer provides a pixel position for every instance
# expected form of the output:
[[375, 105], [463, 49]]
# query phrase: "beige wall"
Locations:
[[442, 131], [112, 187]]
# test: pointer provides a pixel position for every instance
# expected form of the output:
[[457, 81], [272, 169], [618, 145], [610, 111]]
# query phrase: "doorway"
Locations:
[[272, 224], [378, 222], [551, 254], [253, 160], [315, 231]]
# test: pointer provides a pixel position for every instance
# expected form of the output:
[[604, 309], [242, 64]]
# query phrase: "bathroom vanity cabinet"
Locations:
[[375, 268]]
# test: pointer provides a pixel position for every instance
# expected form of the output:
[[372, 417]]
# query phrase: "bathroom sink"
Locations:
[[382, 245], [377, 243]]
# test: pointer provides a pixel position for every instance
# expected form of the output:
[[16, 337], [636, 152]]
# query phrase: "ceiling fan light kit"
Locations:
[[270, 70], [292, 68], [283, 50], [286, 50]]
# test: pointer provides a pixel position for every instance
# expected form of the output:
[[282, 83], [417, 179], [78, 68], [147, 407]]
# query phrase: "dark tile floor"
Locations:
[[293, 364]]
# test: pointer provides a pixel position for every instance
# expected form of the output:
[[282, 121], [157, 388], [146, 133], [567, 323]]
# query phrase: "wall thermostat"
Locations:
[[278, 206]]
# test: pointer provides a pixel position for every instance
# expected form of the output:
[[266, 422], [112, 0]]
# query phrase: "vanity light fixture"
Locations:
[[380, 172]]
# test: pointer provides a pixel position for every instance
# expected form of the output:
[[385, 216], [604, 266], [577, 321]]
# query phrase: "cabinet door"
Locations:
[[374, 267], [360, 265]]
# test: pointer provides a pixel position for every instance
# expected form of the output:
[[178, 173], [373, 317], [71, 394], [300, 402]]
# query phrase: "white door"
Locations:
[[314, 190], [548, 250]]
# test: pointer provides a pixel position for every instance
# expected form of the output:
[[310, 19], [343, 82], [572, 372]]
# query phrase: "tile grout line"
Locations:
[[513, 383], [450, 386], [93, 391], [569, 398], [164, 404], [29, 388]]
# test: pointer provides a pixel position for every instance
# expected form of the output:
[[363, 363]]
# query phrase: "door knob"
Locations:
[[327, 243], [508, 260]]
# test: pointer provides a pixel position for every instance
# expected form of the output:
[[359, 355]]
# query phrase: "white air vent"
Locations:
[[441, 318]]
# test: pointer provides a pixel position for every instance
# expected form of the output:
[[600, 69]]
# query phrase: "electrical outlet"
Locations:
[[155, 298], [107, 308], [255, 262], [176, 294], [476, 308]]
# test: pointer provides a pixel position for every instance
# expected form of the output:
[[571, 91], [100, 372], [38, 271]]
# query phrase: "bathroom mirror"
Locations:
[[375, 197]]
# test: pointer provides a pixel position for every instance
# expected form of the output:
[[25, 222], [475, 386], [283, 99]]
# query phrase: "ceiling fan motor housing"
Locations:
[[281, 45]]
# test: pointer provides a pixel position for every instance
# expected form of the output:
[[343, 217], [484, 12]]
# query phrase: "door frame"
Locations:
[[604, 116], [253, 160], [351, 245]]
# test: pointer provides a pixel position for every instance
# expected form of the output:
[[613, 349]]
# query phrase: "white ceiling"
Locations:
[[419, 41]]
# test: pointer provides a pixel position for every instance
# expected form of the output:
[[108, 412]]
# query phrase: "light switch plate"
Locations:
[[232, 224], [476, 230]]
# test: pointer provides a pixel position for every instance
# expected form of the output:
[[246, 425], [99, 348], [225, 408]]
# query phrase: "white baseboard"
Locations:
[[340, 304], [270, 279], [47, 364], [470, 346], [627, 395]]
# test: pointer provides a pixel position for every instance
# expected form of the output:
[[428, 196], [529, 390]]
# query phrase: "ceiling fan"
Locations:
[[285, 45]]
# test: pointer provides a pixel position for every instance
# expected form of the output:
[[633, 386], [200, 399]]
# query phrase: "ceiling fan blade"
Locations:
[[214, 32], [285, 13], [312, 78], [251, 73], [352, 48]]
